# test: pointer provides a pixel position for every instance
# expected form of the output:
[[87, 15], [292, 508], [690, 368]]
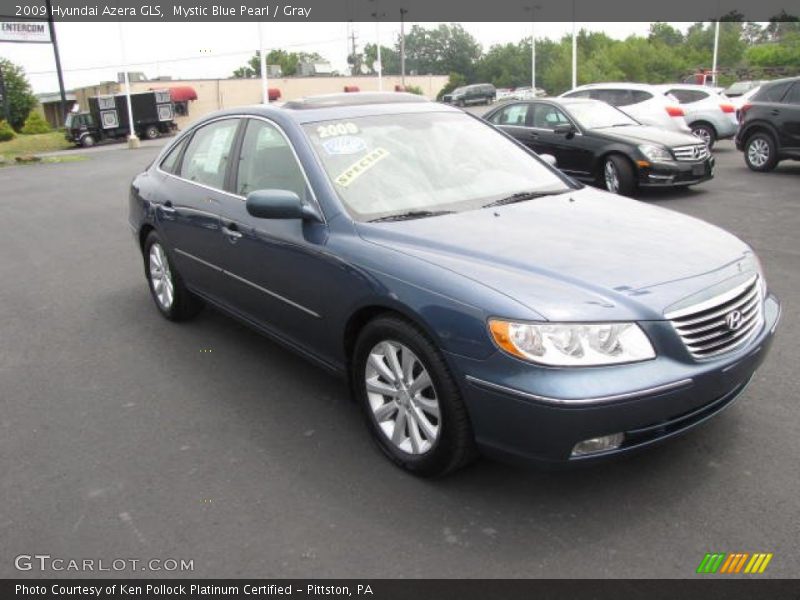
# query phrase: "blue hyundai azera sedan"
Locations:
[[477, 299]]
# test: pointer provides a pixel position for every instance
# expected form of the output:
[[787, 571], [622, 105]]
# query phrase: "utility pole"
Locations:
[[379, 66], [54, 41], [6, 107], [403, 12]]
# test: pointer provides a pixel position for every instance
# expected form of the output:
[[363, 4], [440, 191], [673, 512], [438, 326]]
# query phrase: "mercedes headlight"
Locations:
[[572, 344], [655, 153]]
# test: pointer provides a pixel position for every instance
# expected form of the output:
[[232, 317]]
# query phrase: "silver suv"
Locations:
[[710, 115]]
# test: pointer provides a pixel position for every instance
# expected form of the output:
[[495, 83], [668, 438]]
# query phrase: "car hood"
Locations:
[[583, 255], [644, 134]]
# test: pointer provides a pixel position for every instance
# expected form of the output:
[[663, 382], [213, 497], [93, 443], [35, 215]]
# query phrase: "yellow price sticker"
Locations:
[[361, 166]]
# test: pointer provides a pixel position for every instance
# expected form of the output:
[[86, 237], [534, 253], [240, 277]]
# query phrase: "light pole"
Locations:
[[403, 12], [133, 140], [379, 66], [533, 10], [574, 50], [263, 61], [716, 50]]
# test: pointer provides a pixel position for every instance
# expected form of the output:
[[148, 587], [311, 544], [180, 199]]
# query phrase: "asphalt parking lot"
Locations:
[[123, 435]]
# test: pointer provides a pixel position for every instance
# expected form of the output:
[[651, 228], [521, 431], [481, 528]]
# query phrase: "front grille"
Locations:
[[691, 153], [722, 323]]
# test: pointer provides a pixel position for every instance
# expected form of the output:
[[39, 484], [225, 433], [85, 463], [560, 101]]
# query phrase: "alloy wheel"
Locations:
[[402, 397], [611, 177], [161, 277], [704, 134], [758, 152]]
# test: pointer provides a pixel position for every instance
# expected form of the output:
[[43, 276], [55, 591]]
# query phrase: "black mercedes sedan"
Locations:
[[599, 144]]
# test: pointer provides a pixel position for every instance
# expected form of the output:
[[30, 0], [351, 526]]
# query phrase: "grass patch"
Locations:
[[34, 144]]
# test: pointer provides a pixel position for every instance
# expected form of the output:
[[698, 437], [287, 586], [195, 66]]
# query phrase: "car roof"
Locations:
[[339, 106], [616, 85]]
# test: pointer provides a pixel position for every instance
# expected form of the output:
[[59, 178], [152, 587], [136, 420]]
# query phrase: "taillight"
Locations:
[[742, 111], [674, 111], [728, 108]]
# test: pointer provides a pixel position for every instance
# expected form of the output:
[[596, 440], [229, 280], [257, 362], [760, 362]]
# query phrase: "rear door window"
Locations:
[[547, 116], [772, 93], [793, 97], [206, 157], [514, 114], [688, 96]]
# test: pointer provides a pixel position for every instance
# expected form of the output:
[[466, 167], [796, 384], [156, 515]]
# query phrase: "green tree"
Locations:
[[666, 34], [444, 49], [20, 96], [288, 62], [6, 132], [455, 80], [390, 57], [35, 123]]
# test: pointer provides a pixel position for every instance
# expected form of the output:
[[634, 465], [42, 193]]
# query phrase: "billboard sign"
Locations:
[[26, 32]]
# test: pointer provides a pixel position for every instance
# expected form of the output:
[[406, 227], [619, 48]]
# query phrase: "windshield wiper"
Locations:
[[412, 214], [523, 196]]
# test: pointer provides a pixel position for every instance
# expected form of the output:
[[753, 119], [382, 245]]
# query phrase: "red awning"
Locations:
[[182, 93]]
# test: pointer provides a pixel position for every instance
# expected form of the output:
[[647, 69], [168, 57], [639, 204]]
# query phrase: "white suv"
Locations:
[[643, 102]]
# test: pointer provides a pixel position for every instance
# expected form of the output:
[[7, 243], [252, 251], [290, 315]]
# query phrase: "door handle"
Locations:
[[168, 209], [775, 112], [232, 232], [533, 135]]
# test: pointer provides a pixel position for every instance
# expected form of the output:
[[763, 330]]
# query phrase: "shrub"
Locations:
[[6, 133], [35, 123], [414, 89]]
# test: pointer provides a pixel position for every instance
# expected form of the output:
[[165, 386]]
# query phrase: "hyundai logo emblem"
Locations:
[[734, 320]]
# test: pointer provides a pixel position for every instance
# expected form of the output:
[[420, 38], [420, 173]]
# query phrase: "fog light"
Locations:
[[598, 444]]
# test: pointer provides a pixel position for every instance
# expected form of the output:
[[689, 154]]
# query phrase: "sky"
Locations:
[[92, 52]]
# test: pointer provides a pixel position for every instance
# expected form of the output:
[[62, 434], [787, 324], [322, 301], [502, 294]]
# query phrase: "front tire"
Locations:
[[410, 400], [617, 176], [169, 293], [760, 152], [151, 132], [87, 141]]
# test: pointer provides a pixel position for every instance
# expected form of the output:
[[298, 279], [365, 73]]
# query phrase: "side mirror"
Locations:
[[278, 204], [565, 129], [549, 159]]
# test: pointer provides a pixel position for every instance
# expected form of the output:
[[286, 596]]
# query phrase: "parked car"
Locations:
[[645, 103], [739, 101], [479, 93], [599, 144], [527, 93], [740, 88], [770, 125], [475, 298], [503, 94], [710, 115]]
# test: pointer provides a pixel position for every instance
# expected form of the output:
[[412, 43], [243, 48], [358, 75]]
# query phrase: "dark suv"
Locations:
[[769, 125], [479, 93]]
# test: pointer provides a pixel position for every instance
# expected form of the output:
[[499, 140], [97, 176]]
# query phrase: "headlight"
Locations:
[[655, 153], [572, 344]]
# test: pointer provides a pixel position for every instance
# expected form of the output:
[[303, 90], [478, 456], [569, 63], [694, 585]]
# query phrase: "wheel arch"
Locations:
[[759, 127], [144, 231], [613, 151], [706, 123]]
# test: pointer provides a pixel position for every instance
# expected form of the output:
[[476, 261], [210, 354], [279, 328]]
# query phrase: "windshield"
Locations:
[[433, 161], [597, 115]]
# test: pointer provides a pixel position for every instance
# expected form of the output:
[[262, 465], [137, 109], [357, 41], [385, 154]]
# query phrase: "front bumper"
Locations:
[[675, 173], [526, 413]]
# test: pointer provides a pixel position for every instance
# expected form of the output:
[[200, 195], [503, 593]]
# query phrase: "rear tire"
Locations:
[[169, 293], [617, 175], [760, 152], [411, 402], [151, 132], [706, 133]]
